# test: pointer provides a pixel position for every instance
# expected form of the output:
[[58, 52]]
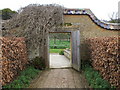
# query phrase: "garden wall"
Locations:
[[82, 22], [13, 58], [105, 57], [88, 29]]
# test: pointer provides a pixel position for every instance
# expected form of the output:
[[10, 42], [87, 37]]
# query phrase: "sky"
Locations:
[[103, 9]]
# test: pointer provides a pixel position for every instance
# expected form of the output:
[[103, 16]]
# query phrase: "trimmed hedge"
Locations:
[[105, 57], [13, 58]]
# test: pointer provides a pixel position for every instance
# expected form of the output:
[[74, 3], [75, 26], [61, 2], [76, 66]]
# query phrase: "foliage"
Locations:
[[7, 13], [38, 63], [61, 52], [58, 47], [24, 79], [14, 50], [93, 77], [103, 52], [60, 44], [55, 50]]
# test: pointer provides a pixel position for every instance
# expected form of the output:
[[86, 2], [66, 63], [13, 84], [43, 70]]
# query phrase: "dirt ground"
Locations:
[[60, 78]]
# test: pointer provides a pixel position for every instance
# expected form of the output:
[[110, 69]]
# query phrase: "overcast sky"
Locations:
[[101, 8]]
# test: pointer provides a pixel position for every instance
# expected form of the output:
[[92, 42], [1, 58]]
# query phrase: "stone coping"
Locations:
[[106, 25]]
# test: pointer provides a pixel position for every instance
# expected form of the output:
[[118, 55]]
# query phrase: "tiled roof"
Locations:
[[109, 26]]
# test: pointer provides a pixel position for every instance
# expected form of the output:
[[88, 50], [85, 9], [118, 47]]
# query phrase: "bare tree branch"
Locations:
[[35, 21]]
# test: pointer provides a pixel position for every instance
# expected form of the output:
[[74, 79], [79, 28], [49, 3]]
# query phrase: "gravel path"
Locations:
[[59, 78], [59, 61]]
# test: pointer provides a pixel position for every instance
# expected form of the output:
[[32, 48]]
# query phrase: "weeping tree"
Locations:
[[34, 23]]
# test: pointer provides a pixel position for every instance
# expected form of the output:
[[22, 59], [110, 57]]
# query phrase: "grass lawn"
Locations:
[[59, 44], [55, 50]]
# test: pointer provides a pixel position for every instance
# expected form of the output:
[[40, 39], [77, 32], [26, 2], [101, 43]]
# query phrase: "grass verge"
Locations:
[[94, 78], [24, 79], [55, 50]]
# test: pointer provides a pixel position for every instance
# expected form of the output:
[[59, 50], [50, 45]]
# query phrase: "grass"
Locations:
[[24, 79], [94, 78], [59, 44], [55, 50]]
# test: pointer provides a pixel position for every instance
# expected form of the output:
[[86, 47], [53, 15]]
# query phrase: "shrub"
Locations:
[[104, 53], [14, 55], [61, 52], [39, 63]]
